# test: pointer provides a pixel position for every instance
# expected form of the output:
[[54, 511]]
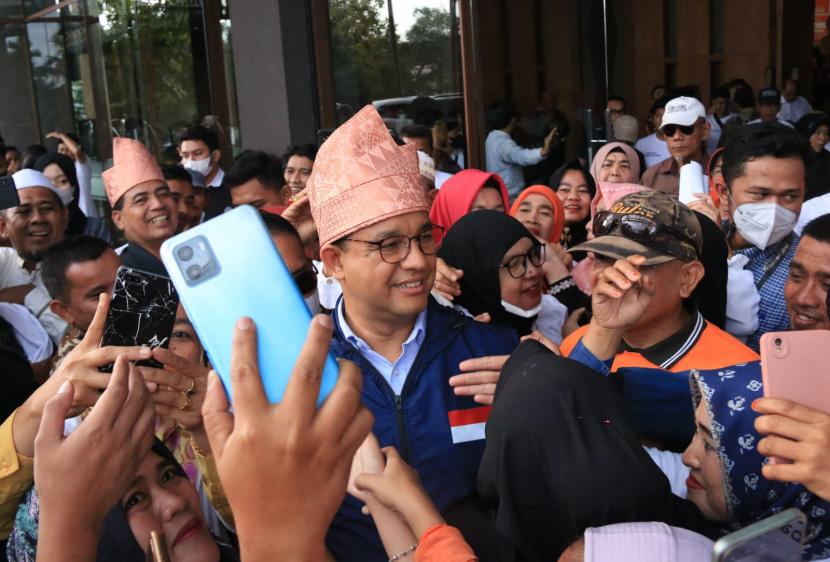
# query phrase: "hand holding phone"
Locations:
[[800, 435], [222, 277], [142, 312]]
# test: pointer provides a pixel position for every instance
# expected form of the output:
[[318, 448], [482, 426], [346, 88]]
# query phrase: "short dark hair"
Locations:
[[305, 150], [744, 96], [418, 132], [64, 254], [176, 173], [500, 113], [659, 103], [9, 148], [277, 226], [255, 164], [818, 229], [615, 97], [201, 133], [720, 92], [759, 140], [31, 154]]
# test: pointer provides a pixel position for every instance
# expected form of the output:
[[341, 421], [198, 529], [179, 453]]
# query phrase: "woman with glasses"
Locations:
[[503, 279], [815, 128]]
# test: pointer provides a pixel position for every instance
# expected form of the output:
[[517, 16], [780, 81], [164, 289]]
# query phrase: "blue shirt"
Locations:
[[773, 315], [506, 158], [394, 373]]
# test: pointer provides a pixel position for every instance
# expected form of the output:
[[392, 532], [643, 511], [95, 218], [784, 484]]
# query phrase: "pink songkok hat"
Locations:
[[132, 164], [361, 177]]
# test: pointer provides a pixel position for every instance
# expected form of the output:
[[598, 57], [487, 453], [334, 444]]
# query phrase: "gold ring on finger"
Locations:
[[192, 389], [187, 402]]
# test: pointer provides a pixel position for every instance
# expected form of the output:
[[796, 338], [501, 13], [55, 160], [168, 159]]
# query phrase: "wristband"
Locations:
[[560, 286], [405, 553]]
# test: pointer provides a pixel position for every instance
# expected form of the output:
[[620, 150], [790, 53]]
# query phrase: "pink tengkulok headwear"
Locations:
[[132, 164], [604, 151], [361, 177]]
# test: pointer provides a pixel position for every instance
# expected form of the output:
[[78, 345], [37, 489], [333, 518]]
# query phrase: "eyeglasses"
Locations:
[[395, 249], [306, 278], [517, 266], [669, 130], [633, 227]]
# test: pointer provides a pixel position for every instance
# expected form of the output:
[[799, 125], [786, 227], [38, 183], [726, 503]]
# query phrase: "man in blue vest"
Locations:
[[376, 239]]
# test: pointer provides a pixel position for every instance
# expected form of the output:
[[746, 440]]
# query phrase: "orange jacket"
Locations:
[[714, 349], [442, 543]]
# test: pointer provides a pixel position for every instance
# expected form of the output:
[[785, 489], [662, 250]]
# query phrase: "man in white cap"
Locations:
[[34, 226], [685, 129]]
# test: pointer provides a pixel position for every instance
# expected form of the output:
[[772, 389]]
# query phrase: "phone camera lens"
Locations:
[[194, 271], [778, 342], [185, 253]]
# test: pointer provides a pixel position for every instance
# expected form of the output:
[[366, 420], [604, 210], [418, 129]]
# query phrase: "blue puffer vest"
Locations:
[[417, 423]]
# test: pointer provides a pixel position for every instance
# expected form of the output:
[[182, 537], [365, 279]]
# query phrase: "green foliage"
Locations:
[[362, 58]]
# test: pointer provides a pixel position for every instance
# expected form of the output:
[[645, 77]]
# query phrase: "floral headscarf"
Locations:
[[728, 394]]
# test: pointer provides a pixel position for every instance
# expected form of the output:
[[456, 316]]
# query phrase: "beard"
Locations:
[[32, 256]]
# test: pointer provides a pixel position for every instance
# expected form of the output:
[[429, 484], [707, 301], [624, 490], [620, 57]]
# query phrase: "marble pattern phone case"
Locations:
[[142, 312]]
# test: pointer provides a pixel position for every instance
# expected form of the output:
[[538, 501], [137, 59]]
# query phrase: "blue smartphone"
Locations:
[[227, 268]]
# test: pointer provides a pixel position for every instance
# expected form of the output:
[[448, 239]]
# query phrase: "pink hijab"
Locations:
[[608, 194], [602, 154]]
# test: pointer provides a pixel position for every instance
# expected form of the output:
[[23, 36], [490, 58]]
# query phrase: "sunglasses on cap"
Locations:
[[306, 278], [634, 227], [671, 129]]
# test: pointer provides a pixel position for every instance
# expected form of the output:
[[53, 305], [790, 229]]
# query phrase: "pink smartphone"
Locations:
[[794, 367]]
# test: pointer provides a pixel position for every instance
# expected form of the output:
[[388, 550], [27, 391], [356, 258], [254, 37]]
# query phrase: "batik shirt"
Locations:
[[773, 264]]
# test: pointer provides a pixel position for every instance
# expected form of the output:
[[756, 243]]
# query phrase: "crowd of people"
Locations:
[[565, 368]]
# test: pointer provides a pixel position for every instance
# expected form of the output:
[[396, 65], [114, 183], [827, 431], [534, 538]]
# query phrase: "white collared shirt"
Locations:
[[394, 373], [13, 274]]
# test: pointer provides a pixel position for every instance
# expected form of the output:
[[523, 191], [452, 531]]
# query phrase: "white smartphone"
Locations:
[[778, 538]]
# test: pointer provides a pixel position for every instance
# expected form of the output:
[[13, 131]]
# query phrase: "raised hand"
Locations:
[[80, 367], [622, 294], [103, 455], [398, 488], [284, 467], [446, 280], [479, 377], [799, 434]]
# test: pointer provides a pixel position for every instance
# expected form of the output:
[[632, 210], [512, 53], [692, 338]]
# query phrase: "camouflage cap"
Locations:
[[648, 223]]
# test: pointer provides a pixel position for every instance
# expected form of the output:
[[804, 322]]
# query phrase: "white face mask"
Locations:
[[202, 166], [764, 224], [521, 312], [66, 195], [313, 302]]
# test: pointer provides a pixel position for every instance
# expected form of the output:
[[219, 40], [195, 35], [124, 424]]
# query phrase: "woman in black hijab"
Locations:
[[479, 244], [815, 128], [576, 188], [60, 169], [562, 456]]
